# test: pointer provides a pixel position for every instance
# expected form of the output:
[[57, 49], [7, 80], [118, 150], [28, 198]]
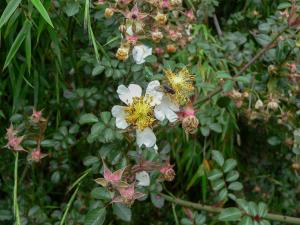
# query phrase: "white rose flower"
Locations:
[[139, 112], [140, 52]]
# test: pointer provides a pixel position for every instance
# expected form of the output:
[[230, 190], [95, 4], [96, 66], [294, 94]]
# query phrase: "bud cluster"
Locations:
[[164, 22], [122, 184], [33, 130]]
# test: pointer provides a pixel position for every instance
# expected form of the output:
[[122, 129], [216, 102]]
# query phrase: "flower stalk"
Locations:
[[198, 206]]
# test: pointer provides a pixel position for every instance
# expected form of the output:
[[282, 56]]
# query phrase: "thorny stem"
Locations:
[[198, 206], [245, 67], [15, 194]]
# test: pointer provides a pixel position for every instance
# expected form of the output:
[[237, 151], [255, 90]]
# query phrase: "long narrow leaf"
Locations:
[[9, 10], [87, 24], [39, 6], [28, 50], [17, 43]]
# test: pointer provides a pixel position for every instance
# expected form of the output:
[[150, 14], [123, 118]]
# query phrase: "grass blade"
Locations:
[[39, 6], [28, 50], [15, 197], [62, 222], [17, 43], [8, 11], [88, 26]]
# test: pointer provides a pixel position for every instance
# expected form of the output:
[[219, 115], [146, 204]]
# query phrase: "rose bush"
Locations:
[[149, 112]]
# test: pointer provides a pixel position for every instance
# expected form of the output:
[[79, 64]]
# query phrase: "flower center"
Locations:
[[182, 84], [140, 112]]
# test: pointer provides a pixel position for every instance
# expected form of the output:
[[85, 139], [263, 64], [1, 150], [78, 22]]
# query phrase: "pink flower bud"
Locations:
[[157, 35], [36, 155], [190, 15], [159, 51], [132, 39], [165, 4], [173, 35], [14, 142], [114, 177], [167, 172], [189, 120], [36, 116], [128, 195]]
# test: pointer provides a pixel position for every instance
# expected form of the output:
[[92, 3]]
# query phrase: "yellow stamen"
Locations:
[[182, 84], [140, 113]]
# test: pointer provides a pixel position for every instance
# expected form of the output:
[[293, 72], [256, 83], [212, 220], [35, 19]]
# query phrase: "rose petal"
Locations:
[[142, 178], [135, 90], [126, 94], [140, 52], [167, 109], [153, 91], [145, 137], [118, 112]]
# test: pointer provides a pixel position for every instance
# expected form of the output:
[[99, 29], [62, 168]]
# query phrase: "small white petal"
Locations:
[[145, 137], [118, 112], [140, 52], [143, 178], [126, 94], [153, 90], [167, 109], [135, 90]]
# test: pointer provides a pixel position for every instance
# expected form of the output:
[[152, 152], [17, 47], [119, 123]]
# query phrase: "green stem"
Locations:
[[15, 197], [198, 206], [175, 215]]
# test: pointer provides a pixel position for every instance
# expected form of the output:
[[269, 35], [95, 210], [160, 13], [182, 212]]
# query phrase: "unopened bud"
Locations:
[[259, 104], [161, 18], [159, 51], [167, 172], [245, 94], [273, 105], [157, 36], [122, 53], [109, 12], [171, 48]]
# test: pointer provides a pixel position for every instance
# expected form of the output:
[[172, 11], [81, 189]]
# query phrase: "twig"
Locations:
[[245, 67], [198, 206], [217, 25]]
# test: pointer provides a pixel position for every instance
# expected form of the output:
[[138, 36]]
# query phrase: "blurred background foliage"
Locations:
[[69, 70]]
